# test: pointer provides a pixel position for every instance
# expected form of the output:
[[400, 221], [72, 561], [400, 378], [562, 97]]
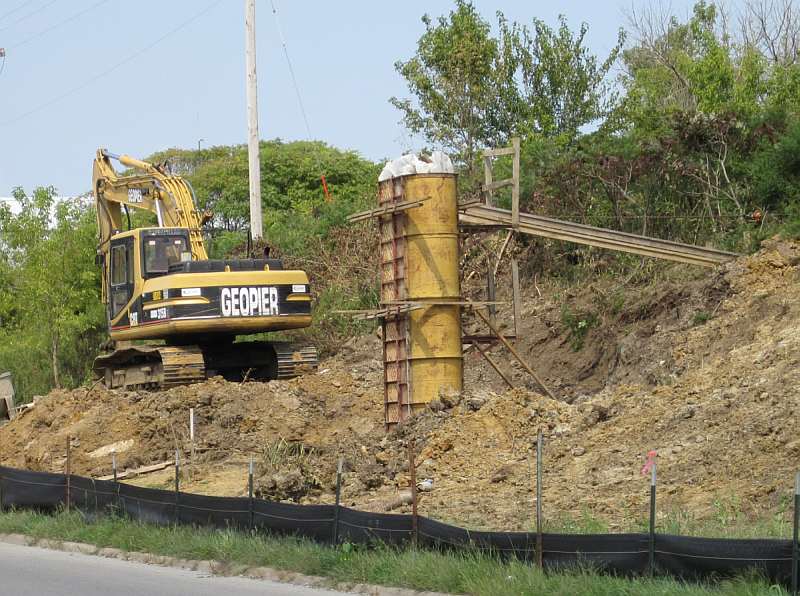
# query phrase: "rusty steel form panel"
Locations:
[[396, 386]]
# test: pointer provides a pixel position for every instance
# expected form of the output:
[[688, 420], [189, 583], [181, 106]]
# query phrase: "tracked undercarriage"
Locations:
[[162, 367]]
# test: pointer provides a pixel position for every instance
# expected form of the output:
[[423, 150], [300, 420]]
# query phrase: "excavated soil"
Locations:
[[703, 371]]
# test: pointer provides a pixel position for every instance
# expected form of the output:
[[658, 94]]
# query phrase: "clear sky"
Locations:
[[83, 74]]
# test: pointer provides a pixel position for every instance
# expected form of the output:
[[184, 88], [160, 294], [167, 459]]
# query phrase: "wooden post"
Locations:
[[509, 235], [250, 494], [516, 297], [254, 163], [653, 519], [539, 537], [491, 295], [338, 501], [515, 186], [68, 471], [511, 349], [487, 175], [412, 468], [796, 538]]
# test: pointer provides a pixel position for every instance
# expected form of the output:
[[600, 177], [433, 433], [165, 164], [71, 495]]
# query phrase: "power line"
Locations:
[[291, 70], [114, 67], [299, 99], [29, 15], [57, 25], [13, 10]]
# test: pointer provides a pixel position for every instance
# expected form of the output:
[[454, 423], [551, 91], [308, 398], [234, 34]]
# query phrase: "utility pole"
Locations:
[[254, 164]]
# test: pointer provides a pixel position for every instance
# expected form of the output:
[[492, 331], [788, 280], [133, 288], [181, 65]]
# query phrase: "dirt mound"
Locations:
[[703, 371]]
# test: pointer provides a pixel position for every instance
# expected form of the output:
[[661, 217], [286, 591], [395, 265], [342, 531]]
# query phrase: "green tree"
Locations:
[[52, 317], [564, 87], [461, 79], [294, 204]]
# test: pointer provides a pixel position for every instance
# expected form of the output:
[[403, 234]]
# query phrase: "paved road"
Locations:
[[30, 571]]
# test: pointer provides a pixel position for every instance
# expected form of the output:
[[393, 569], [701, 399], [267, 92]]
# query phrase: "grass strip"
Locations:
[[457, 573]]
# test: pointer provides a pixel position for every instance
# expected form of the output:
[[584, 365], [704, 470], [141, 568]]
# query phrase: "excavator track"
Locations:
[[182, 365], [294, 360], [162, 367]]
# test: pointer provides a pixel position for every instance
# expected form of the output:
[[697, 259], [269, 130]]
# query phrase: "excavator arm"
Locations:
[[169, 197]]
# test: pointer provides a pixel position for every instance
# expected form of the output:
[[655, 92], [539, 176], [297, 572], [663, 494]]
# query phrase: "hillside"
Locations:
[[702, 370]]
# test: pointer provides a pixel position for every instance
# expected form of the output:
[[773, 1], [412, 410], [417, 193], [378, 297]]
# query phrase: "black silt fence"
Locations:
[[623, 554]]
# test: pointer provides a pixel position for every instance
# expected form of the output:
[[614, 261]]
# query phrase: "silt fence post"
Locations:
[[250, 493], [539, 537], [68, 471], [177, 484], [652, 562], [796, 538], [412, 468], [339, 467], [116, 480]]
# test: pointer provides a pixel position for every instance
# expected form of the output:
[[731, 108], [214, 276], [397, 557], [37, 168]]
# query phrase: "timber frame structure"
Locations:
[[398, 309]]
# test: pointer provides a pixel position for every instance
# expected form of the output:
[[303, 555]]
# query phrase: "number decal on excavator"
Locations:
[[134, 195], [249, 302]]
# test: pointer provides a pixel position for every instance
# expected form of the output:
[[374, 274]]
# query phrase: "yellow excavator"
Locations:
[[174, 315]]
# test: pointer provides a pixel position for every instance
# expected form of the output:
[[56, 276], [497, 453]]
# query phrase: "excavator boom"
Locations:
[[171, 198]]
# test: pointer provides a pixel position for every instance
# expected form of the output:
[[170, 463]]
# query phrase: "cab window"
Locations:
[[121, 276], [162, 251]]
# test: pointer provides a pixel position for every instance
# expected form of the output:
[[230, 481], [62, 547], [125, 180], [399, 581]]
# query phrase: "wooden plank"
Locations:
[[492, 186], [470, 203], [499, 152], [489, 359], [386, 210], [547, 227], [139, 471], [516, 354], [465, 303]]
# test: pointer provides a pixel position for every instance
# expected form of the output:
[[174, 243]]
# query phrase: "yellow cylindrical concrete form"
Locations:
[[432, 275]]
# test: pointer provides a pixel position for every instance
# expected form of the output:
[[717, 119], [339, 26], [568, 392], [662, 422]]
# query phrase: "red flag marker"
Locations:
[[651, 459]]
